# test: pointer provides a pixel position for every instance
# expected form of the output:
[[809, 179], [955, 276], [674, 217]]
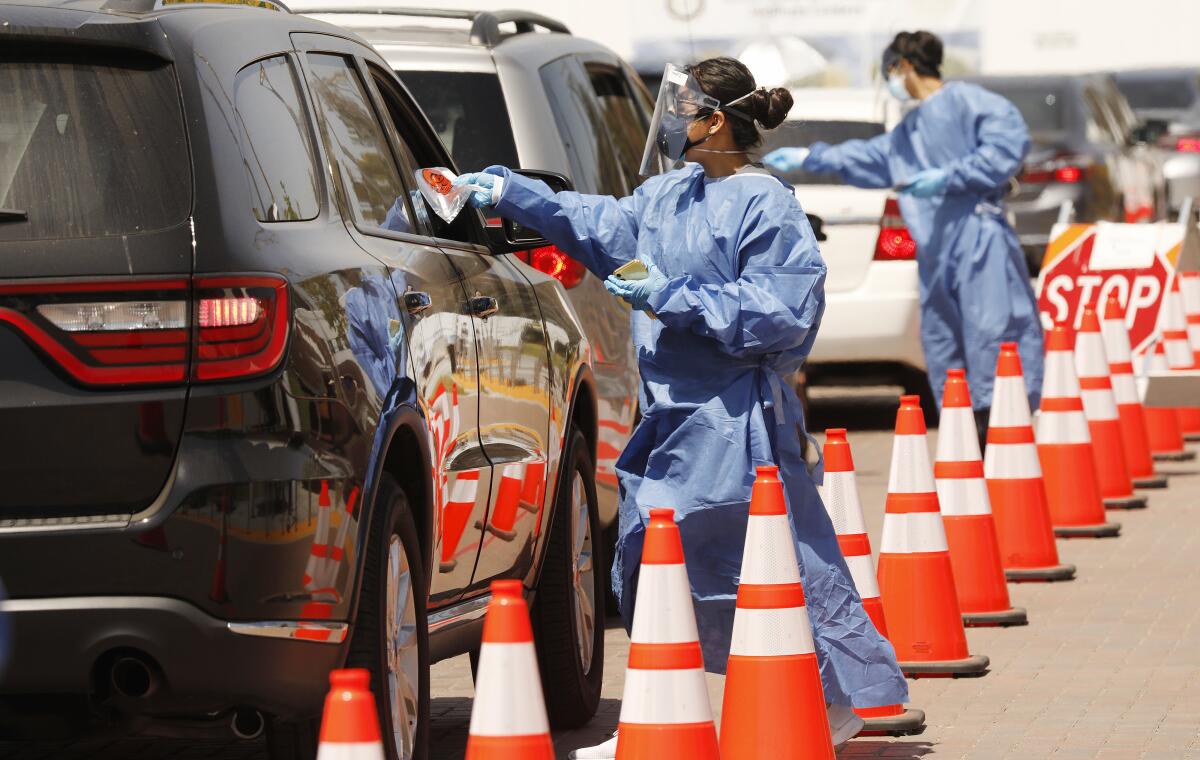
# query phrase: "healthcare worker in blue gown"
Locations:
[[952, 157], [736, 290]]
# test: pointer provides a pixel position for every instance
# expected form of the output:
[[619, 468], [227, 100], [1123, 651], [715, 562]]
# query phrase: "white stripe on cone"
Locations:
[[641, 703], [665, 589], [1099, 405], [913, 533], [1060, 380], [1010, 403], [1011, 461], [771, 632], [839, 494], [1062, 427], [862, 571], [911, 471], [773, 559], [958, 440], [959, 497], [1125, 389], [506, 669], [350, 751], [1178, 350]]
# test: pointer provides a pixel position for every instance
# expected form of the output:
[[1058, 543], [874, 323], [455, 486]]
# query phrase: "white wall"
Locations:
[[1031, 36]]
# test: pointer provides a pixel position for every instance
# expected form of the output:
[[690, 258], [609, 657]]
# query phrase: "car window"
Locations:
[[580, 121], [277, 151], [416, 150], [92, 143], [622, 120], [1042, 107], [469, 114], [1176, 92], [805, 133], [356, 143]]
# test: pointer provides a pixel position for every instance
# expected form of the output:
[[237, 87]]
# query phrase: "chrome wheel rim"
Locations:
[[583, 572], [403, 661]]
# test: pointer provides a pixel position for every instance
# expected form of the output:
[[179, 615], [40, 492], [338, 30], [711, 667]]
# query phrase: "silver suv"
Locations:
[[518, 89]]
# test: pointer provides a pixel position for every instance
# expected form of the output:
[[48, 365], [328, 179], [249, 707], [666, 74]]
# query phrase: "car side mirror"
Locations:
[[514, 236]]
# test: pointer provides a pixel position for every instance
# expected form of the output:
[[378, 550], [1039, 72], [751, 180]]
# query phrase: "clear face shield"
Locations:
[[680, 102]]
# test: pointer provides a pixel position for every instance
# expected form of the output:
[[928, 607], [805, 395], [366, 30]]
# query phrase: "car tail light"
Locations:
[[894, 243], [553, 261], [1188, 144], [153, 332], [1065, 169]]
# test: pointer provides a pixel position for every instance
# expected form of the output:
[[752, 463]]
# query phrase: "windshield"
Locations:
[[1175, 93], [805, 133], [469, 114], [90, 146], [1042, 107]]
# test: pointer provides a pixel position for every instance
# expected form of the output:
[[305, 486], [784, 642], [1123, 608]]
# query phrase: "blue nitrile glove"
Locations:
[[786, 159], [485, 188], [637, 292], [926, 183]]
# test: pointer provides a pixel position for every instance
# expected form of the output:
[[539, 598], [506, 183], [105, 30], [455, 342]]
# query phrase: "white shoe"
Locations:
[[844, 724], [605, 751]]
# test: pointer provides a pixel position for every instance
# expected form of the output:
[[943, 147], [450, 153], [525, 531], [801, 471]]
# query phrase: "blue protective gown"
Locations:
[[975, 290], [738, 314]]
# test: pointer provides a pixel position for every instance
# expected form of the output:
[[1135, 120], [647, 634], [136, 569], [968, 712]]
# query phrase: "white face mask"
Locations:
[[895, 85]]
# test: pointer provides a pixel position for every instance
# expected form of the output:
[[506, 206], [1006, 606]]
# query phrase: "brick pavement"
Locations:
[[1109, 667]]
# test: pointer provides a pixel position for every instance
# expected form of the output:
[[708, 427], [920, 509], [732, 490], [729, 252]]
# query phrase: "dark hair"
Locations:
[[922, 49], [727, 79]]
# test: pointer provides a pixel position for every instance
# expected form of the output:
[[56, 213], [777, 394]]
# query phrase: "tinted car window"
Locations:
[[804, 133], [356, 143], [469, 114], [1168, 93], [272, 130], [90, 145], [580, 121], [1043, 108], [622, 120], [414, 151]]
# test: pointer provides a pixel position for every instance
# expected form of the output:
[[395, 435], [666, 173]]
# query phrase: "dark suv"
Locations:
[[264, 415]]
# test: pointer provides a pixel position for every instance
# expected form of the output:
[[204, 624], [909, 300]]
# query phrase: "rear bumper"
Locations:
[[61, 644], [879, 321]]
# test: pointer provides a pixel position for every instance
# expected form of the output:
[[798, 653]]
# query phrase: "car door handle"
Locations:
[[483, 306], [416, 301]]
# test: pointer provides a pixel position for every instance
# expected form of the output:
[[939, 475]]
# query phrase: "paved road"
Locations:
[[1109, 667]]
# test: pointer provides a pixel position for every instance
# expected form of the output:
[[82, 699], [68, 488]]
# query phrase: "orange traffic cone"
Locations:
[[1065, 448], [1177, 347], [916, 580], [1130, 415], [1014, 479], [665, 710], [1100, 409], [1189, 289], [350, 725], [774, 703], [967, 513], [839, 493], [1162, 423], [508, 717]]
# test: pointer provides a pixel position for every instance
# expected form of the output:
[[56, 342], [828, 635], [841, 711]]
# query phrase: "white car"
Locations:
[[869, 334]]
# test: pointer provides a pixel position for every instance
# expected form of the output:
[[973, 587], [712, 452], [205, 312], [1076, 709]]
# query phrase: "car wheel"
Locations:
[[391, 633], [568, 612]]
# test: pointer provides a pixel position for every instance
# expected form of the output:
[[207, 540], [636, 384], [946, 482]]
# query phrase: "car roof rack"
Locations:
[[485, 25], [149, 6]]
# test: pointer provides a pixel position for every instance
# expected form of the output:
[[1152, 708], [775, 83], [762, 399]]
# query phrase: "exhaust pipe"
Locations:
[[133, 677], [247, 723]]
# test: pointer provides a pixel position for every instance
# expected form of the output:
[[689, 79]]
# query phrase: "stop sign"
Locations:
[[1073, 278]]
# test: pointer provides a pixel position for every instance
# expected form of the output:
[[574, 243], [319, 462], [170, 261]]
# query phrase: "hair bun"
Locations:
[[770, 107]]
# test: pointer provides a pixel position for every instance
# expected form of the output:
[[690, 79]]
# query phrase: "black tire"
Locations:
[[572, 692], [297, 740]]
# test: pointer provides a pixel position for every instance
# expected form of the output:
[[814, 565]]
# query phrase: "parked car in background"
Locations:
[[870, 331], [519, 89], [267, 416], [1085, 151], [1168, 103]]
